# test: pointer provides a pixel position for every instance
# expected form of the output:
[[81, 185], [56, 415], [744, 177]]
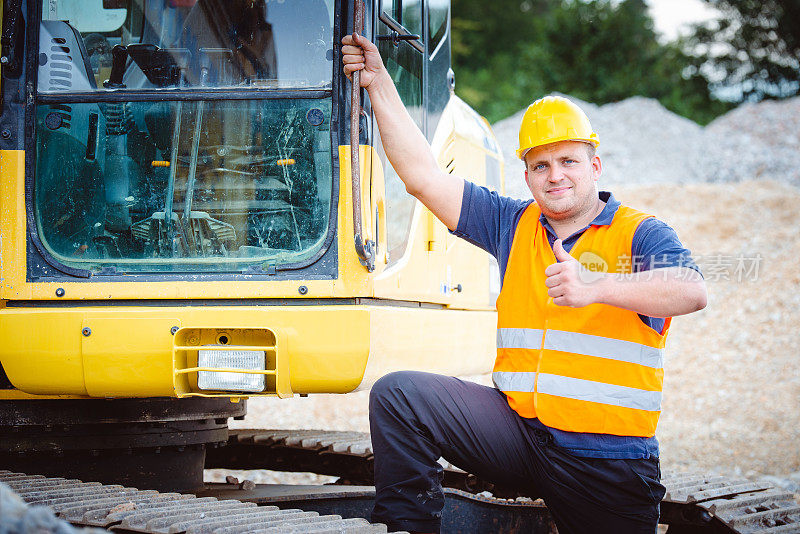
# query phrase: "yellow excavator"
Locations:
[[195, 208], [186, 221]]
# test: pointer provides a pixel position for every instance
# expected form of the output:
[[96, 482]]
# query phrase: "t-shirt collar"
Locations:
[[604, 218]]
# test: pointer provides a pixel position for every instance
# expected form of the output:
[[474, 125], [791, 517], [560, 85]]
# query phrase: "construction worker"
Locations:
[[589, 287]]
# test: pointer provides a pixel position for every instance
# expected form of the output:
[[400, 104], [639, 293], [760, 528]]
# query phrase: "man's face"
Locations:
[[562, 178]]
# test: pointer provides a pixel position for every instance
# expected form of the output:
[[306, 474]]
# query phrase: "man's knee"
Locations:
[[401, 388], [392, 382], [390, 387]]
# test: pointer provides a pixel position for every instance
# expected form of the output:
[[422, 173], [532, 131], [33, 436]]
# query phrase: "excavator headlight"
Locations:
[[233, 377]]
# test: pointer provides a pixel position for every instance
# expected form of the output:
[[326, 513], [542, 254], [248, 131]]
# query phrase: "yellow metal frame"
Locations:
[[436, 262], [1, 33], [131, 351]]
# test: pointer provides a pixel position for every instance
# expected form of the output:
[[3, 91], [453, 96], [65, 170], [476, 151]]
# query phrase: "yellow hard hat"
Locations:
[[552, 119]]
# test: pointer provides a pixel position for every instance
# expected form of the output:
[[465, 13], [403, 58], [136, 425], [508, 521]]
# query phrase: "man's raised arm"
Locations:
[[404, 144]]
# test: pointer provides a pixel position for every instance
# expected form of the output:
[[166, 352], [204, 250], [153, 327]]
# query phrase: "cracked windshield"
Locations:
[[215, 185]]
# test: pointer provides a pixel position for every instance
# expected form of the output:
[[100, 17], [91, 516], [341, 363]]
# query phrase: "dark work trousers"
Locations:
[[417, 417]]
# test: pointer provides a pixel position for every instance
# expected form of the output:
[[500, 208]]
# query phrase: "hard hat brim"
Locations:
[[593, 140]]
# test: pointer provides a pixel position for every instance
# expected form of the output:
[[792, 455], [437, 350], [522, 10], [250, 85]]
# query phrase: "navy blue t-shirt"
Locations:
[[489, 221]]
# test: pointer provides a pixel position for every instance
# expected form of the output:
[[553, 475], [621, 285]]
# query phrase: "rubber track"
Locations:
[[326, 448], [736, 504], [130, 510], [745, 507]]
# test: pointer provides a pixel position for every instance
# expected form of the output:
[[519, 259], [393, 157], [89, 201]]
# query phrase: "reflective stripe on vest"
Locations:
[[575, 388], [599, 347]]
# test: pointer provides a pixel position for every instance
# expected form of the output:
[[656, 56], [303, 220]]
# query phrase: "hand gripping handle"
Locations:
[[366, 250]]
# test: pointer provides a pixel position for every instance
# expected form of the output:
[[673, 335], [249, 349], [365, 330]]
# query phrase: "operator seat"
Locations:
[[239, 26], [285, 42]]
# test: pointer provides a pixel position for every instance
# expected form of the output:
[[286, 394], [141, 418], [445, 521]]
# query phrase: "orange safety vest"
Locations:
[[594, 369]]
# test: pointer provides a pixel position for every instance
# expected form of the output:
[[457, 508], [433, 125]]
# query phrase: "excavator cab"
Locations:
[[186, 136]]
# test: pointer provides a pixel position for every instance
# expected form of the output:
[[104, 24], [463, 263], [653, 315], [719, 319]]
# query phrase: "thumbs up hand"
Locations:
[[561, 254], [569, 284]]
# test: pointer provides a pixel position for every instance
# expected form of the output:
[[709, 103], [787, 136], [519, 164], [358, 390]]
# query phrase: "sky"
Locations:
[[671, 17]]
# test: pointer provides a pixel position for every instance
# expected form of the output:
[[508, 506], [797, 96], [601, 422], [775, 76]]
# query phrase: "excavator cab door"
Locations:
[[402, 51]]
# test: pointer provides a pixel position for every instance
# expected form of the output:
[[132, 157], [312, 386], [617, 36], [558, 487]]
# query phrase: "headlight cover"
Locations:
[[231, 359]]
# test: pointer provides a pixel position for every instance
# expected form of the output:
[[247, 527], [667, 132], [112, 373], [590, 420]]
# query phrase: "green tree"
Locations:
[[506, 54], [752, 51]]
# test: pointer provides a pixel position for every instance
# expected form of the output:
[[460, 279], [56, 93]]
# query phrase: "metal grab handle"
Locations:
[[395, 37], [366, 250]]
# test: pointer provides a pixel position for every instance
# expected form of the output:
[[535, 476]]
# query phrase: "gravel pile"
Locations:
[[641, 142], [755, 141]]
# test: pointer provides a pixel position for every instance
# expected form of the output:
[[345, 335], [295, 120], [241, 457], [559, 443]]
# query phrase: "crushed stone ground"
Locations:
[[732, 386]]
